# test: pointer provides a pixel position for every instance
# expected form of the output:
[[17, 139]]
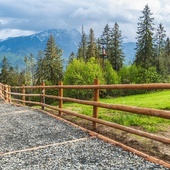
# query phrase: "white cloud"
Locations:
[[5, 33], [39, 15]]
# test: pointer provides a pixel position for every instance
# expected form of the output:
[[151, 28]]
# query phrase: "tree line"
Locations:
[[101, 58]]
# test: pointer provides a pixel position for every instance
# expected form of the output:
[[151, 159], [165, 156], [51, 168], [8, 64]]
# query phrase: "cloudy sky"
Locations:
[[24, 17]]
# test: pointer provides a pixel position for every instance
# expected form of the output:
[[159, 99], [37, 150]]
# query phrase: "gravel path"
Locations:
[[32, 140]]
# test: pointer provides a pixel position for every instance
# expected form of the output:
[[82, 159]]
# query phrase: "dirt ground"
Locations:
[[150, 147]]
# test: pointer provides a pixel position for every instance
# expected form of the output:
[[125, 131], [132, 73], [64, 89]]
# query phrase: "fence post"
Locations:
[[3, 91], [23, 93], [0, 90], [60, 93], [9, 93], [96, 98], [6, 92], [43, 97]]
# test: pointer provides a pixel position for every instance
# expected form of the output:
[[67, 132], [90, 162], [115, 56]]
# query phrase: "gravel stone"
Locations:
[[70, 148]]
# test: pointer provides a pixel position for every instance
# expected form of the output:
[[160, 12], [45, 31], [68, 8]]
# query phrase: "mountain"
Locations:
[[129, 51], [15, 49]]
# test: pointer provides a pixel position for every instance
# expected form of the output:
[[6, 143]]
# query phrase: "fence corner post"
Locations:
[[60, 93], [23, 94], [6, 92], [96, 99], [43, 96], [9, 93]]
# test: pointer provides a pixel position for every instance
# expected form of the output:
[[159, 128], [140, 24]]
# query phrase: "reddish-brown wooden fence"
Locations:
[[7, 93]]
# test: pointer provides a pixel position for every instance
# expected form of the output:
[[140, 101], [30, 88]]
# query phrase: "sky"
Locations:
[[26, 17]]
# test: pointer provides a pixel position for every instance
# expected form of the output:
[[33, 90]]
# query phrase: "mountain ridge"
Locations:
[[16, 48]]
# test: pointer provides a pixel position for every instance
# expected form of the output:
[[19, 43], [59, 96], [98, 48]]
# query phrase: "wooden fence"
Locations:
[[7, 93]]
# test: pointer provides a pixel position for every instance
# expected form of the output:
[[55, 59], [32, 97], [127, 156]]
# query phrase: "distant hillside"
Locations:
[[16, 48], [129, 50]]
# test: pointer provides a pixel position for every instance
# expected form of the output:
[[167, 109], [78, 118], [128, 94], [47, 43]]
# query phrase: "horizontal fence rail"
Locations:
[[20, 94]]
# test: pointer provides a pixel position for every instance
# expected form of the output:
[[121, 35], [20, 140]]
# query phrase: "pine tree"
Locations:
[[166, 58], [4, 76], [160, 47], [39, 68], [105, 38], [83, 46], [71, 57], [51, 65], [144, 46], [91, 46], [116, 56], [29, 69], [160, 39]]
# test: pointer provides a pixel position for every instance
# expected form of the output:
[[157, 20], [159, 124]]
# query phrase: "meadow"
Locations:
[[156, 100]]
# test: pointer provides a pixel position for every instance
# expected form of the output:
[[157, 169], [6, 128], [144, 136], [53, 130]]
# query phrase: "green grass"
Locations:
[[157, 100]]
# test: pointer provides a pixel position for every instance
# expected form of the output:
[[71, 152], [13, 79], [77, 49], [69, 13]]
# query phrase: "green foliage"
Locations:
[[111, 40], [111, 77], [50, 66], [10, 75], [80, 73], [4, 71], [29, 70], [116, 57], [91, 46], [144, 46], [138, 75], [81, 54], [157, 100]]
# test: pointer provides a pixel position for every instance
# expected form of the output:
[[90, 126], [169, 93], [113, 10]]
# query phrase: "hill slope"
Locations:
[[15, 49]]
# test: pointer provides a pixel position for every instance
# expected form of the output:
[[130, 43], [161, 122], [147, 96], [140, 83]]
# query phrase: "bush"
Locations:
[[80, 73]]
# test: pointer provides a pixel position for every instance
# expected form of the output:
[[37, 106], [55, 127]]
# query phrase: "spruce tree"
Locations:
[[166, 58], [91, 46], [4, 76], [105, 38], [39, 68], [51, 65], [144, 46], [160, 47], [116, 56], [83, 46]]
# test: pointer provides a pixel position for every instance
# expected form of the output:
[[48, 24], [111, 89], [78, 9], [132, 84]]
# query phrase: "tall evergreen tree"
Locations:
[[51, 64], [106, 38], [116, 56], [160, 47], [166, 58], [160, 39], [29, 69], [83, 46], [144, 46], [4, 76], [39, 68], [91, 46]]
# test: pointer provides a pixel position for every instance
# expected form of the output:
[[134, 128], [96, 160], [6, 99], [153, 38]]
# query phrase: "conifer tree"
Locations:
[[51, 64], [105, 38], [160, 39], [160, 48], [144, 46], [39, 68], [91, 46], [116, 56], [4, 71], [166, 59], [83, 46]]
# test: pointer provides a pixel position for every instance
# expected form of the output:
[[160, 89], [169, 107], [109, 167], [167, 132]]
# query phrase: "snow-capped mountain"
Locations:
[[15, 49]]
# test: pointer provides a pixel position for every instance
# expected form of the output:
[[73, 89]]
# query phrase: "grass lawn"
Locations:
[[157, 100]]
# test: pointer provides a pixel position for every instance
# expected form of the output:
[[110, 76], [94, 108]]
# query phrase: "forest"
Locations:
[[101, 58]]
